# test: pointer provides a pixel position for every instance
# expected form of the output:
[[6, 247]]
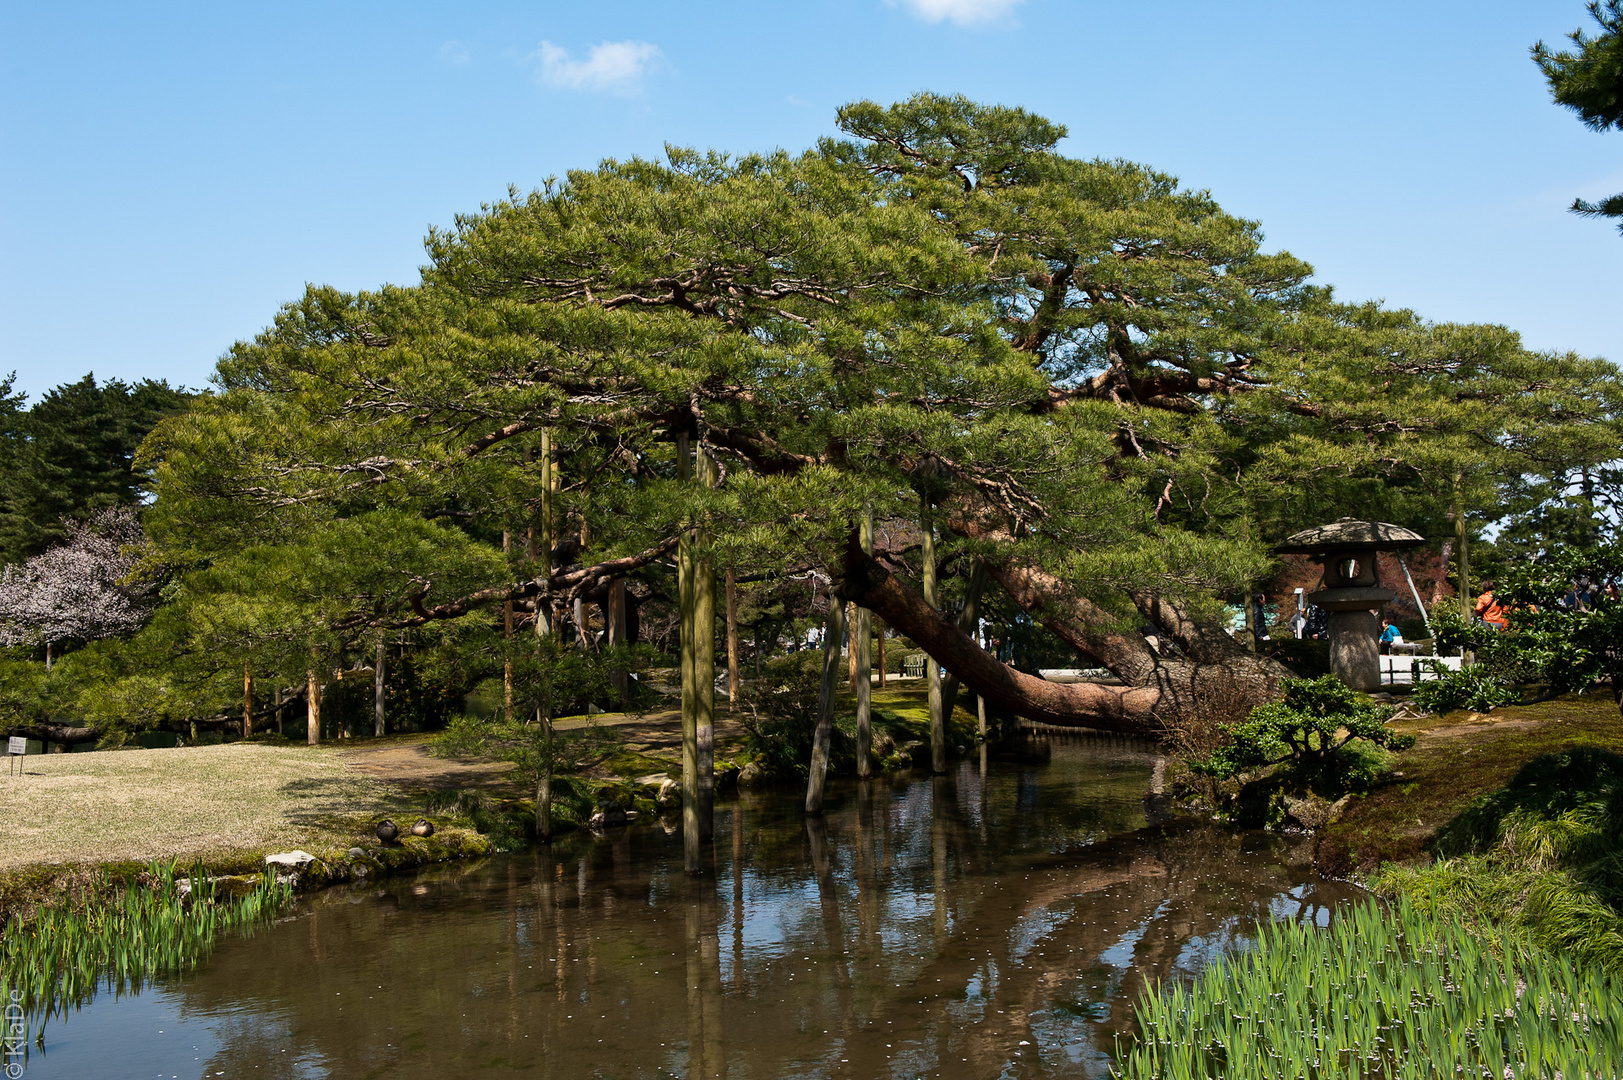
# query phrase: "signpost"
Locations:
[[17, 747]]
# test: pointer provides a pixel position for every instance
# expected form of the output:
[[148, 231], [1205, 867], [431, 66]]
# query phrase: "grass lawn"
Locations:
[[1455, 759], [209, 802]]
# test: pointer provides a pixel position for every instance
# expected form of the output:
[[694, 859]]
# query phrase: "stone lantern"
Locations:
[[1350, 590]]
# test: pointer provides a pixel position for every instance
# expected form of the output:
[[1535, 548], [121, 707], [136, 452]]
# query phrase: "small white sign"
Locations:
[[18, 745]]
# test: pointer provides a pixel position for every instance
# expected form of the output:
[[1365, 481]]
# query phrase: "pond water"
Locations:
[[998, 921]]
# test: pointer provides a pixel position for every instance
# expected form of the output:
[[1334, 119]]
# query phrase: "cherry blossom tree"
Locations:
[[76, 591]]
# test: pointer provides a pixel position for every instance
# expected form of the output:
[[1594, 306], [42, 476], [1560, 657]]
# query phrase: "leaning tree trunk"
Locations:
[[1157, 691]]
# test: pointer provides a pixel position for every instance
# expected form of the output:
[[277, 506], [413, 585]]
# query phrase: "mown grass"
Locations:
[[1381, 993], [185, 803], [1398, 821], [114, 936]]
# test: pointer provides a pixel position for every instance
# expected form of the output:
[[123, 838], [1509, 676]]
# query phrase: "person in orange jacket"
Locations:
[[1489, 610]]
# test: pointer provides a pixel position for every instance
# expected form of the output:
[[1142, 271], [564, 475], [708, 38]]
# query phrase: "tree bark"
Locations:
[[247, 700], [1158, 691]]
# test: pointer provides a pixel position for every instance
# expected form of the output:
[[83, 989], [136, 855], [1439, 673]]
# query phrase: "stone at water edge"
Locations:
[[293, 860]]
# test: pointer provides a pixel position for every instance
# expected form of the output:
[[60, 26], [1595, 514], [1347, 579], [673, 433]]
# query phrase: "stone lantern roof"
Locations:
[[1349, 534]]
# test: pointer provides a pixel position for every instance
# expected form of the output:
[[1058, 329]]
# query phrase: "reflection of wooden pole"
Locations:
[[733, 673], [247, 700], [938, 718], [313, 708], [863, 665]]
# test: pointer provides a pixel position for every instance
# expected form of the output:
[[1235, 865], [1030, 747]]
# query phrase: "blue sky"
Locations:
[[172, 173]]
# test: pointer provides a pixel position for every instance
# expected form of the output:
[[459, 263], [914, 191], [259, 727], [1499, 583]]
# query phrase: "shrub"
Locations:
[[1311, 729], [1474, 686]]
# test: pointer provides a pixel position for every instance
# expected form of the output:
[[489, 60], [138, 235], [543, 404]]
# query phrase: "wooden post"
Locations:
[[280, 710], [968, 620], [313, 707], [1467, 601], [938, 720], [247, 700], [864, 664], [825, 707], [379, 685], [704, 614], [696, 589], [616, 633], [733, 672], [879, 631], [543, 630], [507, 635]]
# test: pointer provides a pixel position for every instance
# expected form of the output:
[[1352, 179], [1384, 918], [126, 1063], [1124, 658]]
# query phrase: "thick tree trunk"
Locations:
[[1158, 691]]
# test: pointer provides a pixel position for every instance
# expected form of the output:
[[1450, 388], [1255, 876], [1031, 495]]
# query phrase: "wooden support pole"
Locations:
[[379, 686], [860, 648], [687, 605], [825, 707], [968, 620], [543, 631], [312, 707], [704, 614], [507, 636], [734, 675], [616, 635], [247, 700], [938, 720]]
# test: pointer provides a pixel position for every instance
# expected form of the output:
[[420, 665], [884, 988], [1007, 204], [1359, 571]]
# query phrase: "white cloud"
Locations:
[[616, 66], [962, 12], [455, 52]]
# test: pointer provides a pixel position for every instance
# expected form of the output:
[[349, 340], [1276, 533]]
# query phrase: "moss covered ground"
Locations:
[[1456, 759]]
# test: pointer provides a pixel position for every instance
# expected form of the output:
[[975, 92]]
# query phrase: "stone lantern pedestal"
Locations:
[[1350, 591]]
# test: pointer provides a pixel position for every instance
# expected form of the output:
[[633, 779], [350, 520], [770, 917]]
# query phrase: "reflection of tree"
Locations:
[[524, 964]]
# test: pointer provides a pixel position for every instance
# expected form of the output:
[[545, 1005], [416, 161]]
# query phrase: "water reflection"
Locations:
[[995, 923]]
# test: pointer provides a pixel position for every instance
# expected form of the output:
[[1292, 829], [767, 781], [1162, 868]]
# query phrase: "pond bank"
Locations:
[[1457, 758], [223, 808]]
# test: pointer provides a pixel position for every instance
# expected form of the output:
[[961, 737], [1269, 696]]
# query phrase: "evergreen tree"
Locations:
[[1589, 81], [72, 454]]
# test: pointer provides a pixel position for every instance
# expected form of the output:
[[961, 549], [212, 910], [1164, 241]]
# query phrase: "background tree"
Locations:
[[72, 454], [78, 591], [1589, 81]]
